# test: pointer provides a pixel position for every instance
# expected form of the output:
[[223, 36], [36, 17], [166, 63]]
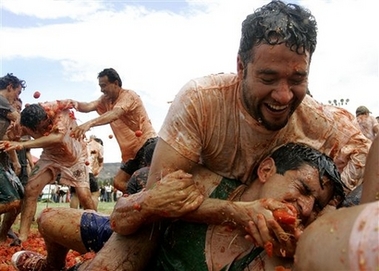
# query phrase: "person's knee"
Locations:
[[45, 217], [120, 181]]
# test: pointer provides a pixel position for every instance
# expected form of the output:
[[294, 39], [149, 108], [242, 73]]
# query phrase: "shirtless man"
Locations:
[[50, 125], [279, 181], [124, 111]]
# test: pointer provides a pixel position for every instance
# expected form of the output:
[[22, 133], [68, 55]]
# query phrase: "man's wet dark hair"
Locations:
[[292, 156], [32, 115], [277, 23], [12, 80], [112, 76]]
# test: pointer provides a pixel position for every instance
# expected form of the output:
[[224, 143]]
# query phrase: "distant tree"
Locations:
[[340, 102]]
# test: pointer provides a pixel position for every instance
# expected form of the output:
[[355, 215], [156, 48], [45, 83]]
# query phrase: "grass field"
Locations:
[[103, 207]]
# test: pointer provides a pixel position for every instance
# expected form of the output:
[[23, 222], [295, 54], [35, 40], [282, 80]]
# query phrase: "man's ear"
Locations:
[[9, 87], [240, 67], [266, 169]]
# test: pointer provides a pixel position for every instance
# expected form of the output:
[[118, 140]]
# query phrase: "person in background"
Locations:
[[95, 150], [367, 123], [50, 124], [124, 111], [11, 189]]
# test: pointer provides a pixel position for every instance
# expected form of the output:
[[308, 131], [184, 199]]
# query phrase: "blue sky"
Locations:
[[59, 47]]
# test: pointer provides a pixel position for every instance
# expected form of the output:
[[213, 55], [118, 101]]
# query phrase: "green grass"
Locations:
[[103, 207]]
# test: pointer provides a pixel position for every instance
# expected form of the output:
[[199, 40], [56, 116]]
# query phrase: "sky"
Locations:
[[59, 46]]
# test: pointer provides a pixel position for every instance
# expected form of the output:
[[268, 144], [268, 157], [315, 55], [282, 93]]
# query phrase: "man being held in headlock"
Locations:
[[289, 189]]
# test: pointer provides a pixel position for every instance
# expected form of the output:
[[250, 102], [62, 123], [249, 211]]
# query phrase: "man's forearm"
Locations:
[[106, 118], [214, 211], [130, 213]]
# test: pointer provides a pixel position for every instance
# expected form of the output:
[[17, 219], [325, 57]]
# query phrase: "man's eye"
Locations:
[[268, 80]]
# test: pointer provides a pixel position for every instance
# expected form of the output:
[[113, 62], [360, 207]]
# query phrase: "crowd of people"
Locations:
[[248, 171]]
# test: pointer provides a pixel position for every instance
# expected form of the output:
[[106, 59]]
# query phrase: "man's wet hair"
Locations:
[[112, 76], [292, 156], [12, 80], [32, 116], [278, 23]]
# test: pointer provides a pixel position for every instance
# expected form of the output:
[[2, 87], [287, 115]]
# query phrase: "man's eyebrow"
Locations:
[[267, 71], [273, 72]]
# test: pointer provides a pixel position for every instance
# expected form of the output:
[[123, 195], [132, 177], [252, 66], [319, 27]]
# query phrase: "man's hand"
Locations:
[[80, 131], [174, 196], [10, 145], [68, 103], [275, 228]]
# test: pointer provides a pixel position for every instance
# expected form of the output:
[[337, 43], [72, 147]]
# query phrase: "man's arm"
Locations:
[[84, 107], [41, 142], [177, 195], [370, 184], [103, 119]]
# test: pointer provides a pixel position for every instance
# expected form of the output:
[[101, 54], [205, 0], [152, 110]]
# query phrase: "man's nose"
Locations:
[[282, 93]]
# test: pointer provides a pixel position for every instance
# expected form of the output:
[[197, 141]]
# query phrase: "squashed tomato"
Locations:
[[286, 216]]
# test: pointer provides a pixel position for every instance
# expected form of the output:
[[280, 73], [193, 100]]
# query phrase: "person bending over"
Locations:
[[50, 125]]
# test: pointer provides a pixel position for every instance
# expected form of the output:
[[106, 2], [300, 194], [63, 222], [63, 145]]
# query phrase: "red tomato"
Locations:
[[269, 248], [36, 94], [138, 133], [284, 217]]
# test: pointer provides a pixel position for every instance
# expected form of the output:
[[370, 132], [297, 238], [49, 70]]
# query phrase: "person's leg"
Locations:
[[85, 199], [60, 229], [29, 206], [94, 188], [8, 220], [120, 180], [95, 198], [345, 239], [74, 201], [129, 253]]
